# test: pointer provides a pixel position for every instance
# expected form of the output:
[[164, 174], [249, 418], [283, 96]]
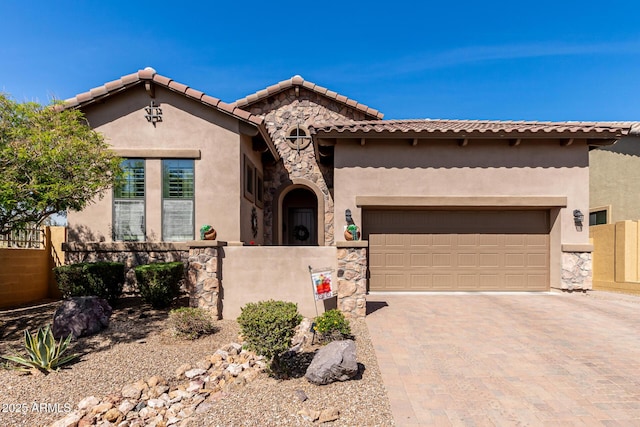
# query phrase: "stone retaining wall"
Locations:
[[203, 281], [352, 278], [576, 271]]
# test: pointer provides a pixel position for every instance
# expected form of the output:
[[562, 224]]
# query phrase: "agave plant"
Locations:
[[43, 351]]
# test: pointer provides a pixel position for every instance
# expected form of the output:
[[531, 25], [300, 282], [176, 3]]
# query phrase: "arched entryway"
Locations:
[[299, 209], [299, 218]]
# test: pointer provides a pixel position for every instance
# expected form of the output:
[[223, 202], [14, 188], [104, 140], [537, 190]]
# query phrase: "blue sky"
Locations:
[[544, 60]]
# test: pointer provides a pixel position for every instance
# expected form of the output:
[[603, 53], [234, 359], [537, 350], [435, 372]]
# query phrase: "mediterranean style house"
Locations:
[[440, 205]]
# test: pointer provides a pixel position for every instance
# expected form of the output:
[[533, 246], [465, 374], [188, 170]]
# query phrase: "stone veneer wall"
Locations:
[[577, 271], [203, 279], [352, 278], [282, 112], [131, 254]]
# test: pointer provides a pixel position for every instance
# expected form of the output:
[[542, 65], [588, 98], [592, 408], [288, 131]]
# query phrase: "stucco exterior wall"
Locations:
[[482, 169], [614, 177], [252, 274], [442, 168], [185, 125]]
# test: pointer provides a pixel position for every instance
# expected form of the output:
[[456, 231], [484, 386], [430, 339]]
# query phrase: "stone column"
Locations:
[[203, 278], [352, 278], [577, 268]]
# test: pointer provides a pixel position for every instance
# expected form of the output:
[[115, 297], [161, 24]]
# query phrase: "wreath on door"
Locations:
[[300, 232]]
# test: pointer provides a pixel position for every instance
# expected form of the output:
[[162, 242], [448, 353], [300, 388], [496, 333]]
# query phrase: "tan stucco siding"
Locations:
[[445, 169], [614, 179], [246, 205], [185, 124]]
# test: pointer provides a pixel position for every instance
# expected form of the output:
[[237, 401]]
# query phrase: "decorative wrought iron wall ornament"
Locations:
[[254, 222], [154, 113], [298, 138]]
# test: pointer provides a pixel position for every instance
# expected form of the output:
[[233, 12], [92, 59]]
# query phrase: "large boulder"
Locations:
[[81, 316], [334, 362]]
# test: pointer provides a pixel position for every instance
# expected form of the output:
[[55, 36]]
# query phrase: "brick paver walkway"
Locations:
[[509, 359]]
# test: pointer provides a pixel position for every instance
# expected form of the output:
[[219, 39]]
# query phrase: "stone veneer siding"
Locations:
[[577, 271], [352, 278], [281, 113], [203, 281]]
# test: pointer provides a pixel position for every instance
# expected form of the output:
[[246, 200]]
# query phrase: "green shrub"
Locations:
[[332, 326], [103, 279], [159, 283], [191, 323], [268, 327], [43, 352]]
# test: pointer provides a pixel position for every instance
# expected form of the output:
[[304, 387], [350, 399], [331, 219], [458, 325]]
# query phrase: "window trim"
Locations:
[[248, 184], [606, 209], [163, 198]]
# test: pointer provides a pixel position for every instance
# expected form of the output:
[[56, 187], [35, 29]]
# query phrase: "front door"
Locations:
[[301, 229]]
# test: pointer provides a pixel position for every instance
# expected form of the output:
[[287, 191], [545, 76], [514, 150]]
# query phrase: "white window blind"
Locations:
[[129, 203]]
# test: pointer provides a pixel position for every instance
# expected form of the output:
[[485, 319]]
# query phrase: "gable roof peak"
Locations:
[[297, 81]]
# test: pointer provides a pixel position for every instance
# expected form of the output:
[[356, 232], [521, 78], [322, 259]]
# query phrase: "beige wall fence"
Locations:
[[225, 276], [26, 263], [616, 260]]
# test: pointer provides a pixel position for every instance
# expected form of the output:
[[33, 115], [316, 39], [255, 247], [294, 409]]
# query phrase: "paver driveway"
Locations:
[[509, 359]]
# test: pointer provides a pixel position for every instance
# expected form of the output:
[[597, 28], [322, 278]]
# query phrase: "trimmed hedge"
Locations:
[[268, 327], [103, 279], [159, 283]]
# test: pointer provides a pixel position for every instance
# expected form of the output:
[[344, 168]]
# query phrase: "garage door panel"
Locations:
[[488, 240], [422, 250], [394, 260], [420, 260], [537, 260], [466, 260], [442, 282], [442, 240], [442, 260], [420, 281], [489, 260], [516, 260]]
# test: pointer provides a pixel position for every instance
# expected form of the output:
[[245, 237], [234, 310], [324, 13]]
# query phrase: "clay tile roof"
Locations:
[[299, 81], [149, 74], [473, 128]]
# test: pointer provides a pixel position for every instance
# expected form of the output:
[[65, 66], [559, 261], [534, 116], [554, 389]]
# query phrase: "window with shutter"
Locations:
[[128, 202], [178, 200]]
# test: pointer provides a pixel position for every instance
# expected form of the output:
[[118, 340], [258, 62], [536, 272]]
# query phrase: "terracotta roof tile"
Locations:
[[130, 78], [162, 80], [178, 87], [194, 93], [98, 91], [210, 100], [297, 81], [149, 74], [113, 85], [146, 74], [472, 128]]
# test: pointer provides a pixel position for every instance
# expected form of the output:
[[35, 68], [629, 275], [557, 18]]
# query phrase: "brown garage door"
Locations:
[[417, 250]]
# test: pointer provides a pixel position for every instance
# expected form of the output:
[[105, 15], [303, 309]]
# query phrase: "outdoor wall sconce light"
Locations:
[[578, 217]]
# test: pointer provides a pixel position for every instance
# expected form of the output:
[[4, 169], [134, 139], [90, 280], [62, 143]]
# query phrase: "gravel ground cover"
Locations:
[[138, 345]]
